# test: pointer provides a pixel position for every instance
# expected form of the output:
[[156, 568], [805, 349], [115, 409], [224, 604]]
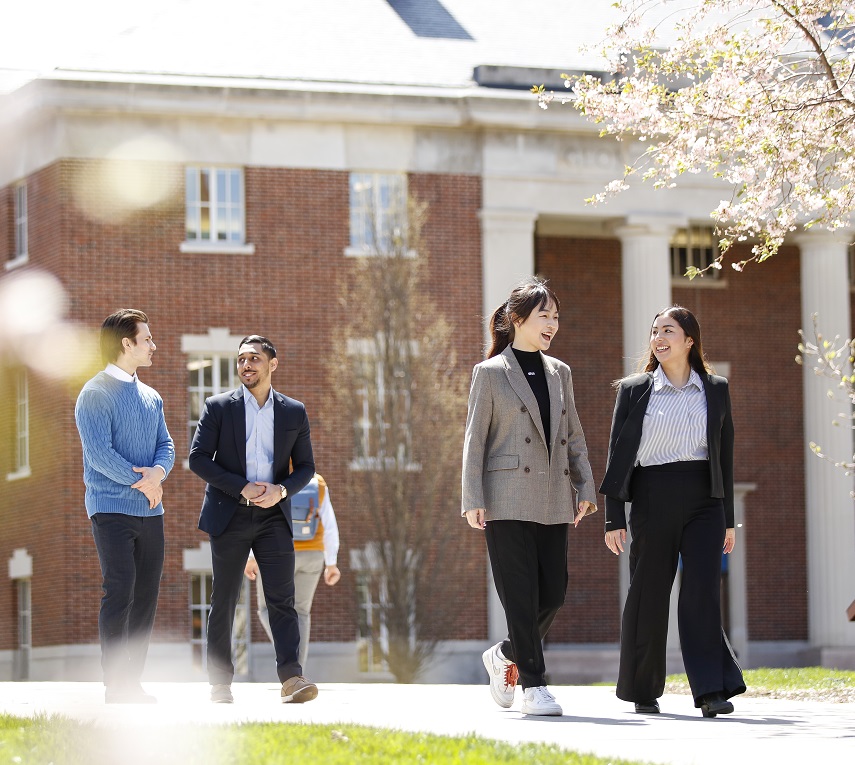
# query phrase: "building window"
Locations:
[[208, 375], [378, 213], [372, 640], [25, 631], [19, 255], [852, 264], [214, 205], [21, 432], [382, 432], [201, 583], [696, 247], [21, 243]]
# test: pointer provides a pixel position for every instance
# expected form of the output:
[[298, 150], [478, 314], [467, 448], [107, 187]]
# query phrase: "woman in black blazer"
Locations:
[[671, 456]]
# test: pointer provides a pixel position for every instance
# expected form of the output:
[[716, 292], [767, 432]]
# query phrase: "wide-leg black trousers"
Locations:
[[529, 563], [674, 516]]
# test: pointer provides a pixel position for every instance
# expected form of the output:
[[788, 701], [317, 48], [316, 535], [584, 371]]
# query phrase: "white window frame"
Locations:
[[214, 346], [700, 249], [21, 450], [24, 651], [851, 265], [363, 350], [224, 377], [378, 209], [224, 211], [201, 610], [365, 564], [22, 244], [20, 567]]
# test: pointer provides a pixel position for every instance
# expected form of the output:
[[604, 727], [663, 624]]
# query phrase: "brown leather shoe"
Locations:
[[296, 690]]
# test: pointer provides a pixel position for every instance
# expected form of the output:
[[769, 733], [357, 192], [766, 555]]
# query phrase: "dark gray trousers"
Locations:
[[130, 550], [265, 531]]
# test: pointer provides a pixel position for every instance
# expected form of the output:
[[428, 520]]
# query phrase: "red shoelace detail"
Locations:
[[512, 674]]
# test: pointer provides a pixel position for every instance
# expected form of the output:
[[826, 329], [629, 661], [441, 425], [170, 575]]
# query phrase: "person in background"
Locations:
[[312, 558], [671, 456], [127, 455]]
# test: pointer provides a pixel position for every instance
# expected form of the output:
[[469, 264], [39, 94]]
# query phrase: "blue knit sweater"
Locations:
[[121, 426]]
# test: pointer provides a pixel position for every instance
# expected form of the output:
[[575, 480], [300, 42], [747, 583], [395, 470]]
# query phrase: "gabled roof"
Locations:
[[435, 43]]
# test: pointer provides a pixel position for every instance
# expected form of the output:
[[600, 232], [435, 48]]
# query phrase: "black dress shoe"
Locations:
[[650, 707], [715, 704]]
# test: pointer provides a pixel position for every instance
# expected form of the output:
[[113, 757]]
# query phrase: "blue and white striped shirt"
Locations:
[[675, 423]]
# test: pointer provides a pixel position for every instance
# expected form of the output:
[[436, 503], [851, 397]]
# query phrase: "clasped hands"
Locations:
[[262, 493]]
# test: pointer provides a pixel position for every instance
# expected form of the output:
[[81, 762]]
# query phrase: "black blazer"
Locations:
[[218, 454], [632, 397]]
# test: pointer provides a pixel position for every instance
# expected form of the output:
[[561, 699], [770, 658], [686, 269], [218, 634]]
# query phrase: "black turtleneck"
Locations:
[[532, 367]]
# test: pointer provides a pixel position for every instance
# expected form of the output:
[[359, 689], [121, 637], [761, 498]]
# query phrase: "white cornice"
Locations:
[[236, 98]]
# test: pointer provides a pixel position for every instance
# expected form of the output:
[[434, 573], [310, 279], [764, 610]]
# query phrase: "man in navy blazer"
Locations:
[[253, 448]]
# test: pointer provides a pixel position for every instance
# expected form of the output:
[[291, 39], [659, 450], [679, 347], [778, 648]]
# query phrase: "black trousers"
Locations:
[[265, 531], [130, 551], [673, 516], [529, 563]]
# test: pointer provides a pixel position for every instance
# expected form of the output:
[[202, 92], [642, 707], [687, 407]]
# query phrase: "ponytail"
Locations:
[[501, 331]]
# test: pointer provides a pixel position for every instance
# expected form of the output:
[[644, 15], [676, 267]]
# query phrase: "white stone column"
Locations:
[[830, 514], [646, 289], [645, 276], [737, 579], [507, 255], [507, 252]]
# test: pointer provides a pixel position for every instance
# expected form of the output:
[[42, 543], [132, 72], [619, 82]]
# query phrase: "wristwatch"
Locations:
[[283, 491]]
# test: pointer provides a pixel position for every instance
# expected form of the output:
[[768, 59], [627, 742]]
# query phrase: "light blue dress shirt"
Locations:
[[259, 438]]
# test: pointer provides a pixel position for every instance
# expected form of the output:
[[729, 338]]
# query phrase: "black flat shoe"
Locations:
[[715, 704], [650, 707]]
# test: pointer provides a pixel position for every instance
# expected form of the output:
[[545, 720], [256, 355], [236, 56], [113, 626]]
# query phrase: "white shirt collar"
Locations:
[[119, 373], [660, 380], [247, 395]]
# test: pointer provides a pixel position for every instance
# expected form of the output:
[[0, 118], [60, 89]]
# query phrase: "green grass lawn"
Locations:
[[58, 741], [803, 683]]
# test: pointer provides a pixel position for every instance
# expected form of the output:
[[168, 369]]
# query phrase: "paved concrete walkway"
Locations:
[[761, 731]]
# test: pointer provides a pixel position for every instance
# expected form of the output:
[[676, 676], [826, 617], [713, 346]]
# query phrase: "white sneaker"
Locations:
[[503, 676], [539, 701]]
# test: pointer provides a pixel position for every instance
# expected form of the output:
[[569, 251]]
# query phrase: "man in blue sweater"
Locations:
[[127, 454]]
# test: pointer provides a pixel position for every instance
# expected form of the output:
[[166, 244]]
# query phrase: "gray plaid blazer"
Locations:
[[506, 465]]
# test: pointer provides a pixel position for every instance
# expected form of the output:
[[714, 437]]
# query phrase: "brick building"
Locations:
[[226, 196]]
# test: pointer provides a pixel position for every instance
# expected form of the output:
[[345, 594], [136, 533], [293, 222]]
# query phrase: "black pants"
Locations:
[[529, 563], [674, 516], [266, 532], [130, 551]]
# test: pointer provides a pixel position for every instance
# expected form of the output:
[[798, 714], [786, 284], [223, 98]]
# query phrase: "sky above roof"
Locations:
[[412, 42]]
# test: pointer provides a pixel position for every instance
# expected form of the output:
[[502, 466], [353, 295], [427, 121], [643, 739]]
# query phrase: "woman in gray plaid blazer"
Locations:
[[524, 455]]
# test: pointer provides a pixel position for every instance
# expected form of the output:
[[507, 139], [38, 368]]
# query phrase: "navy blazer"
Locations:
[[218, 454], [632, 397]]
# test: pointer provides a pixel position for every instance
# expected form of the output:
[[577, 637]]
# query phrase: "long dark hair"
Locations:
[[529, 295], [689, 324]]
